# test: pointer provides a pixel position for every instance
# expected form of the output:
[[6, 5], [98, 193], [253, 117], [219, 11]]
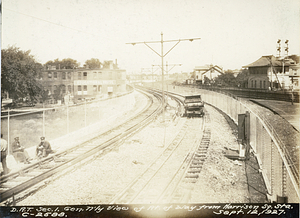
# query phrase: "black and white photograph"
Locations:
[[150, 108]]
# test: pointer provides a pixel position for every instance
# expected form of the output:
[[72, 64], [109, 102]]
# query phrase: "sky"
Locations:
[[233, 33]]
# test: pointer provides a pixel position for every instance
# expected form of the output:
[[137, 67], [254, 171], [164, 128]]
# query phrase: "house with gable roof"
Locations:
[[210, 72]]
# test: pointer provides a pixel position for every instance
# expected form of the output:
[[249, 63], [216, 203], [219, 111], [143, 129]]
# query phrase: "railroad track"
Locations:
[[172, 174], [16, 185]]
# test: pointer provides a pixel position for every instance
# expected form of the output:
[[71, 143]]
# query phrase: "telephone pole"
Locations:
[[162, 55], [168, 70]]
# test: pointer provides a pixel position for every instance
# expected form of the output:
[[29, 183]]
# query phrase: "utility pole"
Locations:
[[162, 55], [167, 70], [286, 49], [152, 72], [287, 53]]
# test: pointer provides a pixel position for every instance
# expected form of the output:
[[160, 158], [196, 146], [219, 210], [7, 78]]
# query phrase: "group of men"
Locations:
[[20, 154]]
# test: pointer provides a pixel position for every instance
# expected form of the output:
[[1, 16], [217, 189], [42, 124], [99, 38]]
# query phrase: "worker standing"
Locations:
[[4, 152]]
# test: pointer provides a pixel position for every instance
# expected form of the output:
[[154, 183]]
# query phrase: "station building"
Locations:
[[272, 72], [82, 83]]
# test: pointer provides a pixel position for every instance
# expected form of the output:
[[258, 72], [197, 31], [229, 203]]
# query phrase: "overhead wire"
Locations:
[[57, 24]]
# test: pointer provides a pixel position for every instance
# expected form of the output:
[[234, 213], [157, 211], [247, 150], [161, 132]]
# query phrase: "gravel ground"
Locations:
[[221, 179]]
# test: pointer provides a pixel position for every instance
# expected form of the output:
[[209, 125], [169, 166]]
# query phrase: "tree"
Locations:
[[93, 63], [66, 63], [295, 58], [226, 79], [108, 64], [193, 75], [45, 95], [19, 71], [242, 78]]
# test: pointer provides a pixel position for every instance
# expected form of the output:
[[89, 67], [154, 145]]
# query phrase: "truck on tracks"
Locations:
[[193, 105]]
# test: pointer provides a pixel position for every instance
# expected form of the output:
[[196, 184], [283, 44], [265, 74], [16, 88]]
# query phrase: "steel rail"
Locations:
[[119, 138], [165, 154], [128, 195], [7, 177]]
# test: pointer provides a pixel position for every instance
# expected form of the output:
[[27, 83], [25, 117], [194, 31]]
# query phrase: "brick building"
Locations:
[[82, 83]]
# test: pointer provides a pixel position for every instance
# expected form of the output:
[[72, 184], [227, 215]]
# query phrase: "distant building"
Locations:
[[210, 72], [139, 78], [294, 74], [82, 83], [270, 72]]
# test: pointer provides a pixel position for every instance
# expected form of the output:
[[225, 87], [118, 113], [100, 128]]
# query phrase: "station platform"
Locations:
[[289, 111]]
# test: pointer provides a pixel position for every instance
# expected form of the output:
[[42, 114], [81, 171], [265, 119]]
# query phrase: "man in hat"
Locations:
[[43, 149], [19, 152], [4, 147]]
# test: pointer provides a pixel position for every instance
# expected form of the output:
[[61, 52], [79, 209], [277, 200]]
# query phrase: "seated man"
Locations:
[[43, 149], [19, 152]]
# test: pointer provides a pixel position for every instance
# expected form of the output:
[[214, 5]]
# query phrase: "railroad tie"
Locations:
[[198, 162], [194, 170], [192, 175], [196, 166]]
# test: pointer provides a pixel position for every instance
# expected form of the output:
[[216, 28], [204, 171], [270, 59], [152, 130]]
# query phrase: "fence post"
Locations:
[[8, 144], [85, 112], [44, 131], [68, 130], [247, 133]]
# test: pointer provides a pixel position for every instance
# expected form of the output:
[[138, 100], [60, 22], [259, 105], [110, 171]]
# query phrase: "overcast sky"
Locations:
[[233, 33]]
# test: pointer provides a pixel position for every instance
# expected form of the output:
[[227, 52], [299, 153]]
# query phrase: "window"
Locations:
[[63, 88], [49, 75], [94, 88], [84, 75], [99, 75], [69, 75], [84, 88], [99, 88], [260, 84], [79, 75], [63, 76], [95, 75], [79, 90], [255, 84], [54, 89], [55, 75], [69, 88], [251, 83], [264, 84]]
